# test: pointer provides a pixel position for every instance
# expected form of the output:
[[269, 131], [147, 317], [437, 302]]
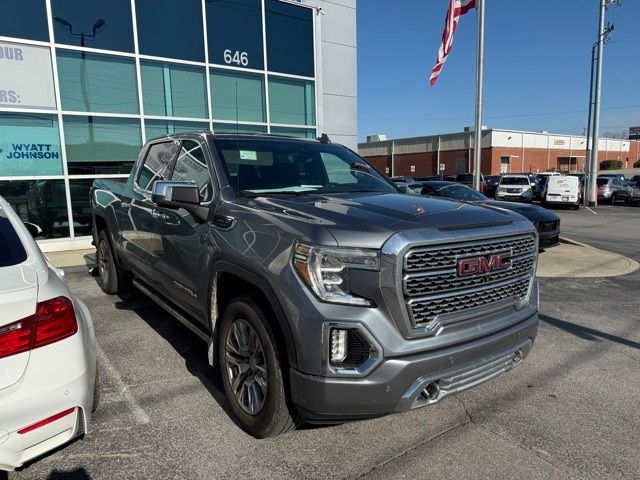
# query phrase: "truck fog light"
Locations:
[[338, 345]]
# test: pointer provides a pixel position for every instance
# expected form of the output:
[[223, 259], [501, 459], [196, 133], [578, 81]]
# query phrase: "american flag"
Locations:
[[456, 8]]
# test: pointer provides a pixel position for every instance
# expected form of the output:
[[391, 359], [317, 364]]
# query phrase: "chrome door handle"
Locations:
[[159, 215]]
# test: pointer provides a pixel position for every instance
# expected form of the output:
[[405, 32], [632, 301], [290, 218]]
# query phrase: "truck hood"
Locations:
[[368, 219]]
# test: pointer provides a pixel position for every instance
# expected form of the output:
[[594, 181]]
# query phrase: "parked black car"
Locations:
[[547, 223], [492, 185]]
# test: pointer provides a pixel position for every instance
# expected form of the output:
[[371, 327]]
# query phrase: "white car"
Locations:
[[562, 190], [48, 371], [514, 187]]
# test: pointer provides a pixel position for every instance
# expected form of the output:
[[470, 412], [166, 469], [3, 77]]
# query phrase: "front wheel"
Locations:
[[251, 370]]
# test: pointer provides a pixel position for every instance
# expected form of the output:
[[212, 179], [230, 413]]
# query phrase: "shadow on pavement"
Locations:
[[588, 333], [77, 474], [191, 348]]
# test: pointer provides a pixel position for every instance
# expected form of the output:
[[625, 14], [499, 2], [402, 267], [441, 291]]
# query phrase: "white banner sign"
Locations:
[[26, 77]]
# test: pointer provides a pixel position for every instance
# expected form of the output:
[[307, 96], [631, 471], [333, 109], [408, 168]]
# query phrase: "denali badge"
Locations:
[[484, 263]]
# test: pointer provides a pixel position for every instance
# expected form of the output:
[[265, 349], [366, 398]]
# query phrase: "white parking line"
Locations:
[[595, 213], [138, 413]]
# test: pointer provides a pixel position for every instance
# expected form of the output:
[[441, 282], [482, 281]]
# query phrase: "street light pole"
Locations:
[[593, 168]]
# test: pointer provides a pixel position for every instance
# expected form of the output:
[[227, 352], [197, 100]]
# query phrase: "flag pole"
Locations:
[[477, 143]]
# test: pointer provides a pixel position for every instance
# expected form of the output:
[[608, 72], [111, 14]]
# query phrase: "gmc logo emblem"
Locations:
[[484, 264]]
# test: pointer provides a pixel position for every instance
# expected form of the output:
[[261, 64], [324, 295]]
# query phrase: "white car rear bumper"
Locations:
[[59, 377]]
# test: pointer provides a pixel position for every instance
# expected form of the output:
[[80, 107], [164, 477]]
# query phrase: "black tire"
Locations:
[[96, 391], [613, 199], [110, 278], [274, 416], [576, 206]]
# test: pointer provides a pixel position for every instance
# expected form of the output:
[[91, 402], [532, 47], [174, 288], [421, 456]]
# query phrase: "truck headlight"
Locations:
[[326, 270]]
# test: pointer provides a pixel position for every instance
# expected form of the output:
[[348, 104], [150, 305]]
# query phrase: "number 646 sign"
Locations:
[[237, 57]]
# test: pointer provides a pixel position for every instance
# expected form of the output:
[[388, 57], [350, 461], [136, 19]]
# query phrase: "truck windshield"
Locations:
[[260, 167]]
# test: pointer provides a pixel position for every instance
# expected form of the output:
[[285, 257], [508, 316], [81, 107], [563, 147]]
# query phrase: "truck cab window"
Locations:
[[157, 164], [191, 165]]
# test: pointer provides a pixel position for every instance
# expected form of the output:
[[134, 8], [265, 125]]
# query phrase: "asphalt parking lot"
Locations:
[[570, 411]]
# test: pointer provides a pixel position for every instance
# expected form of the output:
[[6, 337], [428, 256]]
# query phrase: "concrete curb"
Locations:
[[570, 241], [572, 259]]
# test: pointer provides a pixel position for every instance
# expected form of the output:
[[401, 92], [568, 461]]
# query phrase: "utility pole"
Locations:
[[477, 143], [593, 160]]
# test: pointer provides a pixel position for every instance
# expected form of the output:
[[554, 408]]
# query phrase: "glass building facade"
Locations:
[[84, 84]]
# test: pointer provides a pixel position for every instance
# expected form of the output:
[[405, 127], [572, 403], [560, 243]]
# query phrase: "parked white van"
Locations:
[[562, 190]]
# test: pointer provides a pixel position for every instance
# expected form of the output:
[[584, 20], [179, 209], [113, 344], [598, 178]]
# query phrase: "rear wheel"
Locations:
[[251, 370], [110, 277]]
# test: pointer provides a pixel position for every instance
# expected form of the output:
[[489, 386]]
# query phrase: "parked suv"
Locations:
[[515, 187], [467, 179], [612, 190], [323, 293]]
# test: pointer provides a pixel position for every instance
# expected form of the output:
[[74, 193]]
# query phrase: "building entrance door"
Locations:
[[504, 164]]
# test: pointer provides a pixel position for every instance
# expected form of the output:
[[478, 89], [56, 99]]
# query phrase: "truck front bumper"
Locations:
[[404, 383]]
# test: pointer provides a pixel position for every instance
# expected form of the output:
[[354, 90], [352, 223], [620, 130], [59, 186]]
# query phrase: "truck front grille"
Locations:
[[438, 257], [433, 287]]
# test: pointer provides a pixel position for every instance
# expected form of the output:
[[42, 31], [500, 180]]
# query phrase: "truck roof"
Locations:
[[245, 136]]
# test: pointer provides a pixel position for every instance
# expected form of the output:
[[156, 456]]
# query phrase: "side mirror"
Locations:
[[170, 194], [33, 229], [175, 195]]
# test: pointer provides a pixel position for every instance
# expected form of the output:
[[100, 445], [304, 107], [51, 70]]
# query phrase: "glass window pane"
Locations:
[[26, 76], [24, 19], [239, 128], [237, 96], [192, 165], [42, 202], [97, 83], [106, 25], [80, 206], [235, 26], [160, 128], [100, 145], [291, 101], [170, 28], [29, 145], [173, 90], [157, 164], [12, 251], [294, 132], [289, 38]]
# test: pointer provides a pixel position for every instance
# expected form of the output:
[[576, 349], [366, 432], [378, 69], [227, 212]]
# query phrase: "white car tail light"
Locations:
[[53, 321]]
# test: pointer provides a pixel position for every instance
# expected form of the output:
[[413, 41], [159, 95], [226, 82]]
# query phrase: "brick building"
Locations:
[[503, 151]]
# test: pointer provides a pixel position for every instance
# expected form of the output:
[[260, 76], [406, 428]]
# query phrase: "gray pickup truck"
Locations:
[[324, 294]]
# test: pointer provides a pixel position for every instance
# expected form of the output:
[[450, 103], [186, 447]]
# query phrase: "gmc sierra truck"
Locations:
[[324, 294]]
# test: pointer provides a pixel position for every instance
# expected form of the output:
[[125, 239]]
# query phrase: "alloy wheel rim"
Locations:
[[103, 262], [246, 366]]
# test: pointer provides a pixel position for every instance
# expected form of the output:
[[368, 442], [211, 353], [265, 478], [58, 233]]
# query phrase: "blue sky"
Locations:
[[537, 58]]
